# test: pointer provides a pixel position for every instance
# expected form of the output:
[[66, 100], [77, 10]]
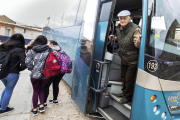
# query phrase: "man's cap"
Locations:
[[124, 13]]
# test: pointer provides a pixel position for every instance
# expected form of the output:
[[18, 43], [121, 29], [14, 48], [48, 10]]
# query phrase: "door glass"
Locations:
[[83, 56]]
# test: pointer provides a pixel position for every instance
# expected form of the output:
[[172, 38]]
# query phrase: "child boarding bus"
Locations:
[[82, 29]]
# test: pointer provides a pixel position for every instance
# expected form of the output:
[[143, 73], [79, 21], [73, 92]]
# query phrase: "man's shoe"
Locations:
[[54, 101], [120, 95], [34, 112], [45, 105], [41, 109], [8, 109], [124, 101]]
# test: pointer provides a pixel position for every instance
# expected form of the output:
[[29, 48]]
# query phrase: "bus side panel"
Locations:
[[67, 39], [81, 72], [80, 82], [68, 77], [142, 108], [83, 59]]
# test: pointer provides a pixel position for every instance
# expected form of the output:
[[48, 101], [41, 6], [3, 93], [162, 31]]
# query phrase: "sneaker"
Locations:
[[34, 112], [54, 101], [8, 109], [124, 101], [41, 110], [45, 105]]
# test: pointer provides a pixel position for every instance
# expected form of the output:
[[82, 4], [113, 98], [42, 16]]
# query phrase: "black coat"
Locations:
[[17, 56]]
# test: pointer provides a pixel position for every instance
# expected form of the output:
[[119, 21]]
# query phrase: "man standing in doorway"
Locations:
[[128, 36]]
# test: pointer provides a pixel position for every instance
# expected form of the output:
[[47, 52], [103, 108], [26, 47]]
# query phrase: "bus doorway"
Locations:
[[106, 70]]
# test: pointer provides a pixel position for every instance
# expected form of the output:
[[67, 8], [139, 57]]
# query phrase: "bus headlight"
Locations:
[[163, 115], [155, 109]]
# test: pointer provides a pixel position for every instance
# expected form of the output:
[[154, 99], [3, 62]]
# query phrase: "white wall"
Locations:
[[2, 30], [29, 34]]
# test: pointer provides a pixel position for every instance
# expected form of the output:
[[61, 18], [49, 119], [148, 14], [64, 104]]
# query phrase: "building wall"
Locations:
[[2, 29], [28, 34]]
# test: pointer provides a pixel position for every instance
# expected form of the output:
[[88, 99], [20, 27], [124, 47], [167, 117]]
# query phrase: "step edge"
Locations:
[[117, 100], [115, 83], [104, 114]]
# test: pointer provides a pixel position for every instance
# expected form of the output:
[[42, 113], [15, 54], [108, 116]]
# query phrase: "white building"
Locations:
[[8, 27]]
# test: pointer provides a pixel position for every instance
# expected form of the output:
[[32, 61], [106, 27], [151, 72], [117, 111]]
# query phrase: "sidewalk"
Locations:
[[21, 98], [21, 101]]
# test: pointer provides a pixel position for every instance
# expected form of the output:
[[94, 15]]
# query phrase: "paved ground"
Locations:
[[21, 101]]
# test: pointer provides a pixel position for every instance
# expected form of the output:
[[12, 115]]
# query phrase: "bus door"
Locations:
[[106, 80], [84, 54], [102, 32]]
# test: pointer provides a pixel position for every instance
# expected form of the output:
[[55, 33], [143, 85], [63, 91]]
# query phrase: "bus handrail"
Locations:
[[97, 90], [102, 62]]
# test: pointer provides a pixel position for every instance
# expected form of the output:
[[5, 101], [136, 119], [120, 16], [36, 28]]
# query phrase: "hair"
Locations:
[[53, 42], [40, 40], [16, 40]]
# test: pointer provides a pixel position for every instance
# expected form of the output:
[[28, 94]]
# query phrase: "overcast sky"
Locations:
[[30, 12]]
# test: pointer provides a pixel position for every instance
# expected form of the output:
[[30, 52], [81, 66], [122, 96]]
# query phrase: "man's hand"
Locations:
[[112, 37], [137, 41]]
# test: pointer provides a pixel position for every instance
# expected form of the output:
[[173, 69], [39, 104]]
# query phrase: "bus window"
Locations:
[[163, 37]]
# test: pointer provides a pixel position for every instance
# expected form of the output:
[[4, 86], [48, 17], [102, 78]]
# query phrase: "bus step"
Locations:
[[111, 113], [95, 116], [115, 82], [117, 68], [114, 96]]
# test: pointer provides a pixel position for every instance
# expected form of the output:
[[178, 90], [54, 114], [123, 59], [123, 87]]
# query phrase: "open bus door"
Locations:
[[90, 47], [106, 80], [84, 55]]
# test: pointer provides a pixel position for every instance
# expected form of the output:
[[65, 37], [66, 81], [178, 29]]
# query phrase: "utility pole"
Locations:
[[48, 20]]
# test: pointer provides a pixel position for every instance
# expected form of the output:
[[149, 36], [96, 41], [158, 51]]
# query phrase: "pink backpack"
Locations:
[[64, 62]]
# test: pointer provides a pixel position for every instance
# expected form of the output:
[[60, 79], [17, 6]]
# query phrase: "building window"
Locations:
[[24, 30], [7, 31]]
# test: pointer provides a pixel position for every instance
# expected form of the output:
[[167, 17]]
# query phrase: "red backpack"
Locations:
[[52, 67]]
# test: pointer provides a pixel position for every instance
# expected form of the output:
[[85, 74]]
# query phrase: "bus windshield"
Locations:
[[163, 35]]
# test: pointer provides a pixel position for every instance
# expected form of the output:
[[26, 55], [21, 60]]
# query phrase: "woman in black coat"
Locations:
[[16, 64]]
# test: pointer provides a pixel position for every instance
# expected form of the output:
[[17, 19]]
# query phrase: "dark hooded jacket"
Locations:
[[17, 59], [35, 60]]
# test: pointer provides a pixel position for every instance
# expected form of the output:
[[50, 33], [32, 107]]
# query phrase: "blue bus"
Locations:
[[82, 29]]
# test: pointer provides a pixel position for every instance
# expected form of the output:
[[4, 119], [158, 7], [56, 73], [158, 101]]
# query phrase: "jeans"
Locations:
[[9, 83]]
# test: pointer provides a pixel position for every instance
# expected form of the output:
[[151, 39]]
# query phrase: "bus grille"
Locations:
[[174, 108]]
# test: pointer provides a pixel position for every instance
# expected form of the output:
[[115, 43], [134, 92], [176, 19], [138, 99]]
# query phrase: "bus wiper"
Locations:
[[171, 63]]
